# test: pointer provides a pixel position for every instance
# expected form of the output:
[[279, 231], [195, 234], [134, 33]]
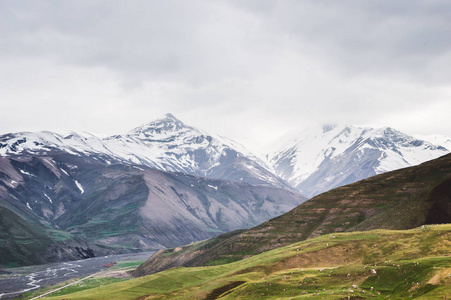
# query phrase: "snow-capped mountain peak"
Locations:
[[162, 127], [166, 144], [321, 158]]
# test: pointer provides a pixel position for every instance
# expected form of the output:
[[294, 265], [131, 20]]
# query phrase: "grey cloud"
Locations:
[[201, 41], [178, 40], [239, 64], [372, 36]]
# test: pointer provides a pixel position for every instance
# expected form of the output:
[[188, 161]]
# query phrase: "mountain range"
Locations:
[[167, 184], [320, 159], [80, 194], [400, 199], [313, 161], [166, 144], [326, 248]]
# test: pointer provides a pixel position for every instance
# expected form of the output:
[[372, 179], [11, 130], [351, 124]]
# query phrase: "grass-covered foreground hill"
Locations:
[[401, 199], [411, 264]]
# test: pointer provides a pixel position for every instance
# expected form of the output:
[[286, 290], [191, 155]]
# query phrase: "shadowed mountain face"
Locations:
[[25, 241], [121, 206], [320, 159], [399, 199]]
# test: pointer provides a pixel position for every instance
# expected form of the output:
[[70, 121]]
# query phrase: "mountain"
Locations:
[[400, 199], [378, 264], [163, 184], [166, 144], [441, 140], [122, 207], [25, 241], [320, 159]]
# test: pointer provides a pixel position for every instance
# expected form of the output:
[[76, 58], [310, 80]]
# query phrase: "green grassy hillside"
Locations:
[[23, 238], [374, 264], [25, 241], [401, 199]]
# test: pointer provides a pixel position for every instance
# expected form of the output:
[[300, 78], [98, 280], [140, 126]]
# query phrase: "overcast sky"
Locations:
[[248, 70]]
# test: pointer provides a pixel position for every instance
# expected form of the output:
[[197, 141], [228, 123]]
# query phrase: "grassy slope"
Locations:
[[23, 240], [414, 263], [400, 199]]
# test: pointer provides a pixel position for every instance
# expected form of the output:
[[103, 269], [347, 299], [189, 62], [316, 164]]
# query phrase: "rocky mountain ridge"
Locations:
[[166, 144], [320, 159]]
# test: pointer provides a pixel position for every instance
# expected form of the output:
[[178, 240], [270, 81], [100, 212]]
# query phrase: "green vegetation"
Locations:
[[374, 264], [401, 199], [59, 235], [21, 239], [90, 283], [127, 265], [24, 241]]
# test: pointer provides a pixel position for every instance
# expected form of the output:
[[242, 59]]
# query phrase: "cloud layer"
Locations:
[[251, 70]]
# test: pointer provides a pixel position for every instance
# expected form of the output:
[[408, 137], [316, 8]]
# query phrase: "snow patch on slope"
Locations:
[[80, 187], [48, 198], [26, 173]]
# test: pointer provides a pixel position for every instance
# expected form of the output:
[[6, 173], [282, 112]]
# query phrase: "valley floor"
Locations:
[[378, 264], [16, 281]]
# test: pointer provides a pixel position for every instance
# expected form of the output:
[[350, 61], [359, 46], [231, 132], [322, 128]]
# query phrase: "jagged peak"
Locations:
[[328, 127], [170, 116], [390, 131], [167, 123], [167, 118]]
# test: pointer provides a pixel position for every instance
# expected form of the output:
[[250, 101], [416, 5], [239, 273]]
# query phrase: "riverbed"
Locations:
[[16, 281]]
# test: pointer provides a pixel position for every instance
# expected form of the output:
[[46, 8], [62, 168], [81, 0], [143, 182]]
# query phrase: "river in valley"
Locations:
[[16, 281]]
